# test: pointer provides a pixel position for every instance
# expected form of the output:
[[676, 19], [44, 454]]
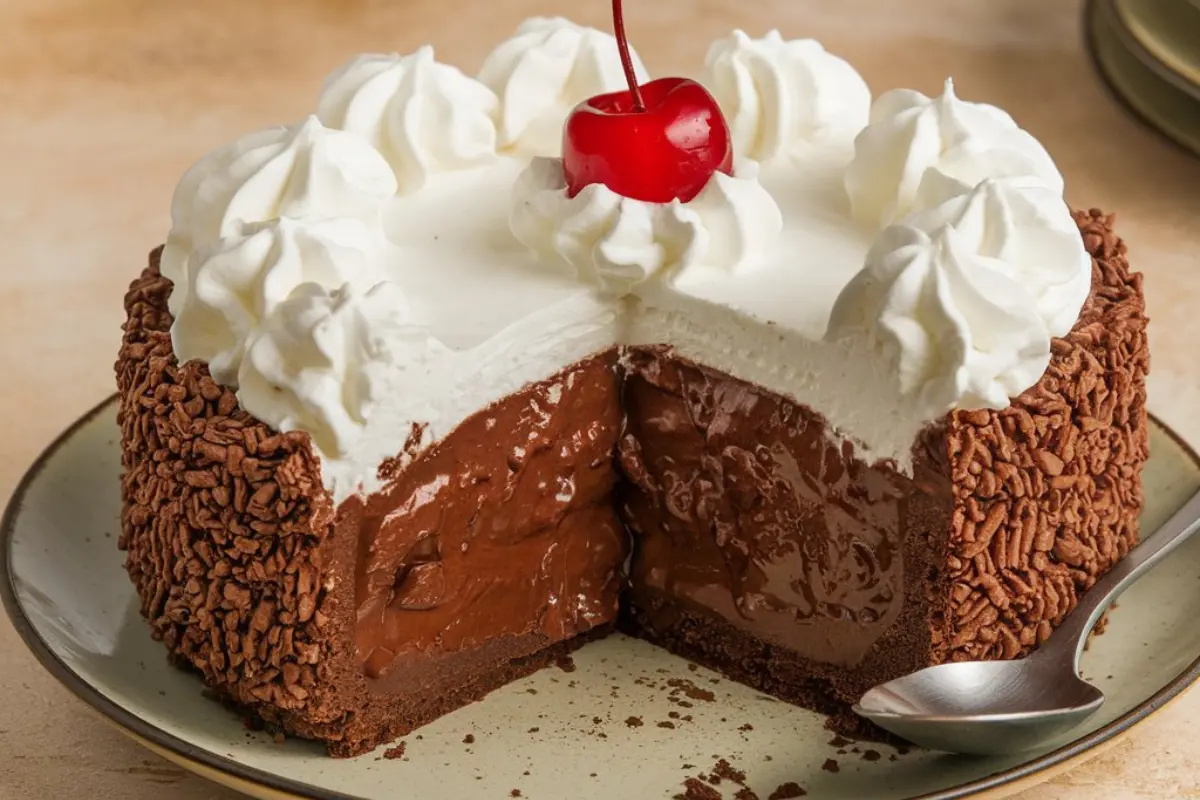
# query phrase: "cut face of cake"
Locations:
[[406, 415]]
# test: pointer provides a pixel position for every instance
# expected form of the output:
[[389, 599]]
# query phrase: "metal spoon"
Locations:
[[999, 707]]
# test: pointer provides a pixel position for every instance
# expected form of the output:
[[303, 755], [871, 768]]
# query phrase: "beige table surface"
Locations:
[[103, 104]]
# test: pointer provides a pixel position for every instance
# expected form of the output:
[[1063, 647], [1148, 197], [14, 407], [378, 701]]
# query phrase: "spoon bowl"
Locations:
[[999, 707], [955, 707]]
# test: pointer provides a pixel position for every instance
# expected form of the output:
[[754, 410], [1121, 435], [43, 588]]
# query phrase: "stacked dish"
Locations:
[[1149, 53]]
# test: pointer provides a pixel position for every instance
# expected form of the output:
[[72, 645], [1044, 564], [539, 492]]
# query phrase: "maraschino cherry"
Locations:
[[656, 142]]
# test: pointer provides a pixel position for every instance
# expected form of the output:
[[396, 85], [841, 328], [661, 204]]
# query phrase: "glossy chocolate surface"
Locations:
[[743, 506], [504, 529]]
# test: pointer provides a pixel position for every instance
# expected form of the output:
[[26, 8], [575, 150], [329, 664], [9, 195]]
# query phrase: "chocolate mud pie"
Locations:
[[460, 372]]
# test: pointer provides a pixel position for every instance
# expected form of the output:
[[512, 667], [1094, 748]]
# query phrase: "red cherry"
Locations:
[[656, 142]]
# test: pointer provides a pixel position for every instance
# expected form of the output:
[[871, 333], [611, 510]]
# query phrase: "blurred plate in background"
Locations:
[[1165, 95]]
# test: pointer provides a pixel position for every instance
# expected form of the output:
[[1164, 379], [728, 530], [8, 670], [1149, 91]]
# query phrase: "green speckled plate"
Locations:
[[555, 734]]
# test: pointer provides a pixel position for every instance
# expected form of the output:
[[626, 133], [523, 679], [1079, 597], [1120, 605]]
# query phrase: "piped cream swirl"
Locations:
[[304, 170], [318, 361], [964, 298], [545, 70], [617, 242], [780, 95], [235, 283], [422, 115], [910, 134]]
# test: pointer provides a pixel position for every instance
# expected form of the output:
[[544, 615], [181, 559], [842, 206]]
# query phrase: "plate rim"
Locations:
[[1143, 45], [1042, 768], [1101, 18]]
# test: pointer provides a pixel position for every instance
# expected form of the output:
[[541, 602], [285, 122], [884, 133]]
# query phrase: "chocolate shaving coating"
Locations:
[[223, 521], [1048, 491]]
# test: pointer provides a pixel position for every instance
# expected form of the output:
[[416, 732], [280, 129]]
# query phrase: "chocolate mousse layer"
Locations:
[[756, 531], [503, 529]]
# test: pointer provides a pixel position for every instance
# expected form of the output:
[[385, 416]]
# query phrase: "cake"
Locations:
[[407, 414]]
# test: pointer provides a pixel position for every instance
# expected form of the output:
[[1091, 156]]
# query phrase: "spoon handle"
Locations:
[[1066, 643]]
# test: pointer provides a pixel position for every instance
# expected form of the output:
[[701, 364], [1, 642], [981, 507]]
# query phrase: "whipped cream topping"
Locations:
[[910, 134], [317, 362], [422, 115], [965, 297], [617, 242], [295, 171], [477, 274], [236, 282], [780, 95], [550, 66]]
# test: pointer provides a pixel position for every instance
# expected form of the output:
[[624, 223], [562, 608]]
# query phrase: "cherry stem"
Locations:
[[626, 58]]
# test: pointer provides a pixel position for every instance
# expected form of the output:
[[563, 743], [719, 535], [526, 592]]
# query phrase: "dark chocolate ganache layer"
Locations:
[[505, 529], [743, 506]]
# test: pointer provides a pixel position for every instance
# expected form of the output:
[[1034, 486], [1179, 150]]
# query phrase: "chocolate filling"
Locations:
[[744, 506], [505, 528]]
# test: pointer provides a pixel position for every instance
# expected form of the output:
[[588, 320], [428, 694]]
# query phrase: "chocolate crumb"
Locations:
[[634, 722], [787, 791], [565, 663], [831, 765], [591, 774], [893, 757], [526, 772], [515, 793], [673, 714], [534, 729], [666, 724], [469, 739], [745, 793], [871, 755], [531, 691], [278, 737], [724, 770], [693, 667], [839, 741], [694, 789], [690, 690], [392, 753], [596, 720], [746, 727]]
